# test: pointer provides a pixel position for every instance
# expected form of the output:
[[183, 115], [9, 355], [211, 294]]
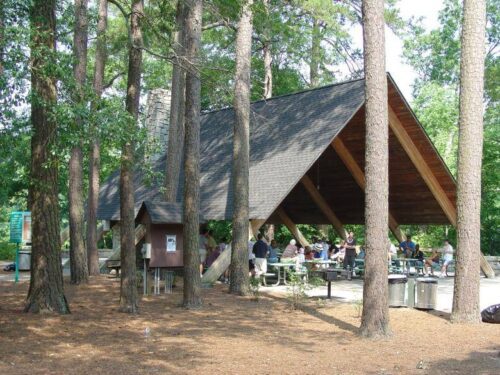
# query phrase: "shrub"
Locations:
[[7, 251]]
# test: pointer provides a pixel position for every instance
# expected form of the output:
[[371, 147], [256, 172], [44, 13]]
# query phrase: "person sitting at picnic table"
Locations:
[[419, 256], [260, 250], [308, 253], [301, 256], [273, 252], [290, 250], [432, 261], [407, 247], [447, 251], [340, 254], [350, 251], [317, 251], [361, 254]]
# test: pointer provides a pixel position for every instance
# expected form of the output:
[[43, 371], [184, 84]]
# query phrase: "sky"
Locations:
[[403, 74]]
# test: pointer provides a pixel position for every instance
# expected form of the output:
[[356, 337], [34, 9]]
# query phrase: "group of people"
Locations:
[[261, 252], [411, 250]]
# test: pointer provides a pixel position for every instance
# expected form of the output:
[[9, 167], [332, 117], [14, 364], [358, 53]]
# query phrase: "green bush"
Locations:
[[7, 251]]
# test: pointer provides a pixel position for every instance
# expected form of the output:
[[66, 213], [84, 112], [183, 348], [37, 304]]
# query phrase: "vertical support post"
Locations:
[[16, 278]]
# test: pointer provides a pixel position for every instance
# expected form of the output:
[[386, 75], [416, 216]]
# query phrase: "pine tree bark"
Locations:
[[470, 149], [375, 317], [177, 108], [192, 279], [239, 280], [95, 148], [46, 292], [315, 54], [268, 58], [128, 287], [77, 250]]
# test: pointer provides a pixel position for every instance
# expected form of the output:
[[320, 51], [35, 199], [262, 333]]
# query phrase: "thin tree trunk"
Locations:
[[77, 250], [268, 59], [95, 148], [239, 281], [46, 284], [176, 125], [315, 54], [128, 288], [375, 318], [192, 279], [2, 39], [470, 149]]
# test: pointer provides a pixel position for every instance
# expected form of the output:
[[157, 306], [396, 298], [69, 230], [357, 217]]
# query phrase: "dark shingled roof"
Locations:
[[287, 135], [163, 212]]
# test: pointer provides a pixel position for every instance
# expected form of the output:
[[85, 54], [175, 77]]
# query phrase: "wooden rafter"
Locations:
[[254, 227], [323, 206], [430, 179], [291, 226], [359, 176], [422, 167]]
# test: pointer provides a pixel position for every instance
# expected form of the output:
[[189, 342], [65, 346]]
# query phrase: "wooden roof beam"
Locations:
[[422, 167], [254, 227], [431, 181], [323, 206], [292, 227], [359, 176]]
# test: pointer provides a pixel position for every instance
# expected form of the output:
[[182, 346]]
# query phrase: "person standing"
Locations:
[[324, 250], [350, 251], [260, 250], [447, 252]]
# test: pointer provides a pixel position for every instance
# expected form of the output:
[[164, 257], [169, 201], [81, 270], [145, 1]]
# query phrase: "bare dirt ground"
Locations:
[[230, 335]]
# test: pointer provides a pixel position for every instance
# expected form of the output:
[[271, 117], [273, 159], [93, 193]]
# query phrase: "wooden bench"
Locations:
[[113, 264]]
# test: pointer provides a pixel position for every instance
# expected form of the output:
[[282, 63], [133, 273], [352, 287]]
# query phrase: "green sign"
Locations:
[[20, 227]]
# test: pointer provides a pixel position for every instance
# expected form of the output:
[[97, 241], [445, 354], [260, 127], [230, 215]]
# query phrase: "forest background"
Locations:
[[311, 43]]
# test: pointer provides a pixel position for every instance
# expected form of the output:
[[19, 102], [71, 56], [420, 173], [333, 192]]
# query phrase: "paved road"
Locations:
[[352, 290]]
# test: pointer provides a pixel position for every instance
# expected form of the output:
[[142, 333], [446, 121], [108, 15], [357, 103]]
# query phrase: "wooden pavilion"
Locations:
[[307, 153]]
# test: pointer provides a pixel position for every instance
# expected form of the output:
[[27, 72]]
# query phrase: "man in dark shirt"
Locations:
[[260, 249], [350, 251]]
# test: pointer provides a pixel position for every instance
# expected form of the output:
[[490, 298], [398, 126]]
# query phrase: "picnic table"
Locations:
[[282, 266], [405, 264]]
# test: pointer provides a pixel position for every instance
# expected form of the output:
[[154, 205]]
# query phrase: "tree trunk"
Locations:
[[239, 282], [470, 148], [128, 287], [375, 318], [95, 148], [315, 54], [46, 284], [2, 40], [176, 125], [77, 250], [268, 59], [192, 279]]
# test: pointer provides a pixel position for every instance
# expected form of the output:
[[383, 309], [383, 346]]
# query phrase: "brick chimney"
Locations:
[[157, 120]]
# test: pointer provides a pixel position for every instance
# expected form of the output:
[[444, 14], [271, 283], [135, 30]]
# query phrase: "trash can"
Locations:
[[397, 287], [24, 260], [426, 293]]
